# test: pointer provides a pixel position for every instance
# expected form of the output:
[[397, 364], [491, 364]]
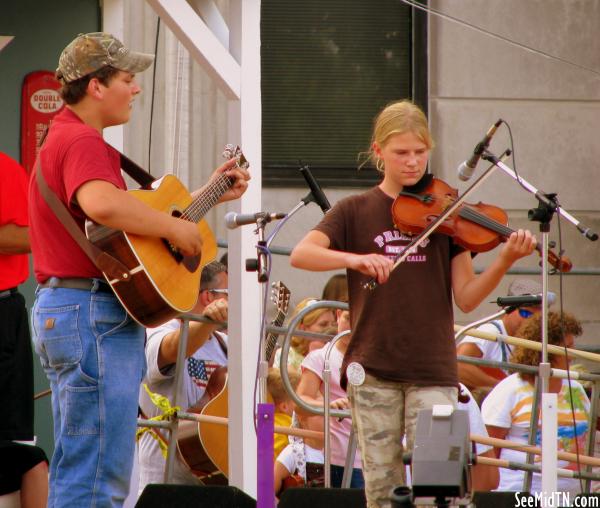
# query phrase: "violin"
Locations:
[[476, 227]]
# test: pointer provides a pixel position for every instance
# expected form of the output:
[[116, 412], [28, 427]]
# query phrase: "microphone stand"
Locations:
[[262, 266], [309, 198], [545, 199], [547, 207]]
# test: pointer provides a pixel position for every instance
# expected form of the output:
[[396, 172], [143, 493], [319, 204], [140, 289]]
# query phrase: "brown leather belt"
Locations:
[[77, 283], [8, 292]]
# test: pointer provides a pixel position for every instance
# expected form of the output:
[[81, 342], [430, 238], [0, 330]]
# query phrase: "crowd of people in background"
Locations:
[[501, 409]]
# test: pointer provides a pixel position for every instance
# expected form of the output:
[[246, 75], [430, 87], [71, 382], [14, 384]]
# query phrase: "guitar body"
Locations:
[[163, 284], [204, 446]]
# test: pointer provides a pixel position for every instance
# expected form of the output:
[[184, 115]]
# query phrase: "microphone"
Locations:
[[524, 300], [467, 168], [234, 220], [318, 196]]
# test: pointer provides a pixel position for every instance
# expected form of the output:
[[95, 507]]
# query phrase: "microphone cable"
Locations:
[[267, 285], [561, 307], [425, 8], [592, 427], [152, 94]]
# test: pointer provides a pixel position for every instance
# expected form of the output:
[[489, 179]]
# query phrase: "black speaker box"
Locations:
[[191, 496], [495, 499], [511, 499], [300, 497]]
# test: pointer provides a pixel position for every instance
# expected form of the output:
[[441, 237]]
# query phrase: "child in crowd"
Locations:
[[301, 461], [336, 288], [284, 406], [507, 409], [311, 390], [315, 321]]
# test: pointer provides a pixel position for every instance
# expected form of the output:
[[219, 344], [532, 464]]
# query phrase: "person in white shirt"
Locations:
[[300, 463], [206, 351], [474, 376], [507, 409]]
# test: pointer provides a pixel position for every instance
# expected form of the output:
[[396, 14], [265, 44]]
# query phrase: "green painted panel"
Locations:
[[41, 30]]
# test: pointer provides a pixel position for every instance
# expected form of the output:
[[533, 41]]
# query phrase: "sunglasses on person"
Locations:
[[220, 291], [524, 313]]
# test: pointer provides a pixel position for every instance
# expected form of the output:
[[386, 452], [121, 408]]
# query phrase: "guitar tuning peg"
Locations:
[[228, 151]]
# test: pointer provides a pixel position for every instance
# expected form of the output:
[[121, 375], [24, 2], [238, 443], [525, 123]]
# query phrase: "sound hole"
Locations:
[[191, 263]]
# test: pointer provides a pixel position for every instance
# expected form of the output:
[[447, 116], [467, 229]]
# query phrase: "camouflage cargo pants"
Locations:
[[382, 411]]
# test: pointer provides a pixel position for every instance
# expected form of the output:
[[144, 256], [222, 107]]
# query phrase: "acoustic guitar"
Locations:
[[163, 283], [203, 446]]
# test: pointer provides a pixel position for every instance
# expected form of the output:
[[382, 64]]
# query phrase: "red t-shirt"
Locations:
[[74, 153], [14, 268]]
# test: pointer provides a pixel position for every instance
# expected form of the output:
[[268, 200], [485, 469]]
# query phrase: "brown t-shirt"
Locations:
[[403, 330]]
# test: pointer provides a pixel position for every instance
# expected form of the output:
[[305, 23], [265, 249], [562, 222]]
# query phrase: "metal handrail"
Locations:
[[326, 409], [171, 425], [559, 373], [285, 347], [286, 251]]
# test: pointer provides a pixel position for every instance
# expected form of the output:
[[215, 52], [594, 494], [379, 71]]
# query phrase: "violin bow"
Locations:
[[430, 229]]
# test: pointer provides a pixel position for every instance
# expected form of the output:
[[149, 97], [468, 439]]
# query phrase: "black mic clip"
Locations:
[[260, 263], [265, 217], [547, 205], [511, 303], [310, 197], [316, 194]]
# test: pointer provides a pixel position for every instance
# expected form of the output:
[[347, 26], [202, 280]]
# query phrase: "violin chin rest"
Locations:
[[421, 185]]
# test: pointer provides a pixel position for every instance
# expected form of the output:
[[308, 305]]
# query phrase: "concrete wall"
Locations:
[[553, 110]]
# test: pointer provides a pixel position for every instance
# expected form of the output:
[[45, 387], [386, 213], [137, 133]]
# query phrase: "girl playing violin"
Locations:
[[402, 354]]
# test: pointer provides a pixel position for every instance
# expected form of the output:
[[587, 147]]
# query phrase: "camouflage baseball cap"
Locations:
[[89, 52]]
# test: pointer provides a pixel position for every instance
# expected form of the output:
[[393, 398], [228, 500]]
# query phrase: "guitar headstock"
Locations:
[[235, 152], [280, 296]]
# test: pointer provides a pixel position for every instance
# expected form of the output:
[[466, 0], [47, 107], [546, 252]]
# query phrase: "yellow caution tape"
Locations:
[[163, 404]]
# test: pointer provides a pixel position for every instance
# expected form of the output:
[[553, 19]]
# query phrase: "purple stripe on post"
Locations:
[[264, 445]]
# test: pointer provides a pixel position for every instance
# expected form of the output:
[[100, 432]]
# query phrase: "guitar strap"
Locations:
[[104, 261], [503, 347], [221, 342], [136, 172]]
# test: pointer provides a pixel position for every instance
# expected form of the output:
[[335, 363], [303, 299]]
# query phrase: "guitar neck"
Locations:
[[271, 339], [207, 198]]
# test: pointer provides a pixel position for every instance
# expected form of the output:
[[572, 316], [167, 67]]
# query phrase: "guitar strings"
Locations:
[[198, 208], [203, 203]]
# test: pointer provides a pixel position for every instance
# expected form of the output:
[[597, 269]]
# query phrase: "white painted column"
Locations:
[[113, 22], [245, 294], [549, 448]]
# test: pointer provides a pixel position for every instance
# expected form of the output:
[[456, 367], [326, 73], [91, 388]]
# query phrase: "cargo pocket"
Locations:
[[83, 413]]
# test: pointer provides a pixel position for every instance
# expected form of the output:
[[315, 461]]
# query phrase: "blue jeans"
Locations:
[[337, 474], [93, 355]]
